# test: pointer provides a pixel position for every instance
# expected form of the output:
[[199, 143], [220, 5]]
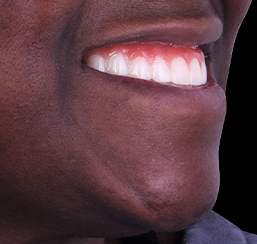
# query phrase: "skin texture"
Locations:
[[85, 154]]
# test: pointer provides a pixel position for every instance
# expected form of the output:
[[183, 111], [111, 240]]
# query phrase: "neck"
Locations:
[[150, 238], [25, 236], [169, 238]]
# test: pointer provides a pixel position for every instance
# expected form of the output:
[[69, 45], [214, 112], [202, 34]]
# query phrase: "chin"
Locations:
[[161, 171]]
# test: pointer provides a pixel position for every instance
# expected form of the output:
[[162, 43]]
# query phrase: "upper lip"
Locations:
[[200, 31]]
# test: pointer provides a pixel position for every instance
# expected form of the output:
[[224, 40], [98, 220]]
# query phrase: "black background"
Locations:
[[237, 200]]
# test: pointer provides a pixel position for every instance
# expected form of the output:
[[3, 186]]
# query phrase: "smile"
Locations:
[[155, 62]]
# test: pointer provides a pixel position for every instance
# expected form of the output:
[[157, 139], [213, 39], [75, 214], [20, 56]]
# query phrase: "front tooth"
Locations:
[[117, 65], [160, 71], [180, 72], [195, 73], [204, 73], [141, 69], [97, 62]]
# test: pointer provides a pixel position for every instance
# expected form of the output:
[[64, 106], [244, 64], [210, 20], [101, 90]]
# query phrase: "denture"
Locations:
[[153, 62]]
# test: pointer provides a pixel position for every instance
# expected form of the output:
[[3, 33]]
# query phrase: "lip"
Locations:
[[172, 93], [202, 32], [181, 31]]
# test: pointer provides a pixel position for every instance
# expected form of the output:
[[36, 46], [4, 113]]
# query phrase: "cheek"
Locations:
[[235, 11], [232, 17], [115, 148]]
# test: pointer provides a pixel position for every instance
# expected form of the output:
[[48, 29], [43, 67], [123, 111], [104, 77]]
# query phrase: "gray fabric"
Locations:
[[216, 230]]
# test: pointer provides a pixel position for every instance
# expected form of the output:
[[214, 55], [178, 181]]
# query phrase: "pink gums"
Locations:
[[149, 51]]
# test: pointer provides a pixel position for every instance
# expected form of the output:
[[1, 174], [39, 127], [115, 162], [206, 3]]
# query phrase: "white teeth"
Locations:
[[160, 71], [204, 73], [140, 68], [117, 65], [96, 62], [195, 72], [179, 71]]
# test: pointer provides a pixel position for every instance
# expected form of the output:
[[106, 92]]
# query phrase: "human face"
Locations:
[[87, 153]]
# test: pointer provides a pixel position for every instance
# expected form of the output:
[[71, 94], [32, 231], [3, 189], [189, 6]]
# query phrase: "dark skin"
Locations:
[[90, 155]]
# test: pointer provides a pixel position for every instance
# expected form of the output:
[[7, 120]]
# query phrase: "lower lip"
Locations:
[[203, 98]]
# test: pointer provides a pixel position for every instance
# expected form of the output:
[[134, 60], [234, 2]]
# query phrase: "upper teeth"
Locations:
[[176, 70]]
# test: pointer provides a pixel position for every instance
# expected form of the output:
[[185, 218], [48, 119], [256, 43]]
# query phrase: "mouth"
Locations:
[[174, 54]]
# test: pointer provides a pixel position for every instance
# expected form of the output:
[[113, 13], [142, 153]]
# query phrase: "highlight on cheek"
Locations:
[[157, 62]]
